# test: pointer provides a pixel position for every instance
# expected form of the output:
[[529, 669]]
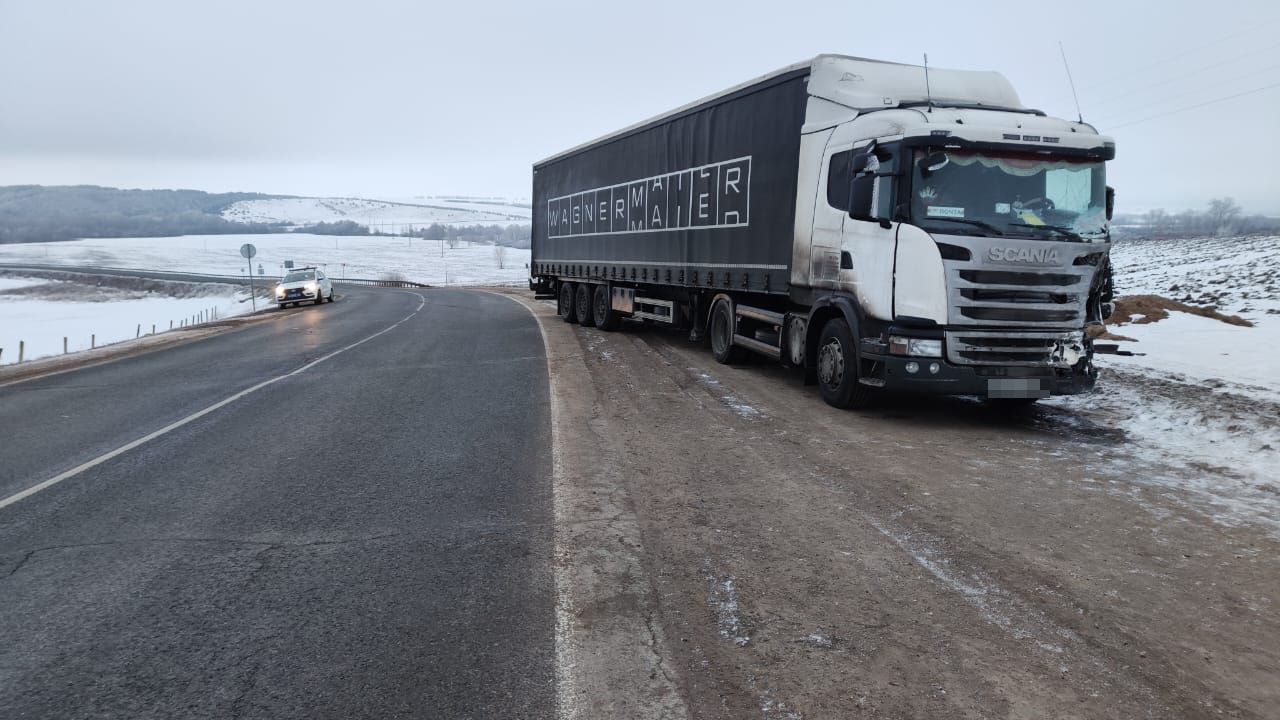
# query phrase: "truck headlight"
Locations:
[[918, 347]]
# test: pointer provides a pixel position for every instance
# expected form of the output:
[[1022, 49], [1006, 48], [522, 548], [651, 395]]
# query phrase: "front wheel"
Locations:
[[838, 368]]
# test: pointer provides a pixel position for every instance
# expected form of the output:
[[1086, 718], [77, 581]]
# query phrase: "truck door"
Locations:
[[851, 255]]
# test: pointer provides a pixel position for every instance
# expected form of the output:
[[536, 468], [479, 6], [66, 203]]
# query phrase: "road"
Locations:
[[368, 537], [473, 509]]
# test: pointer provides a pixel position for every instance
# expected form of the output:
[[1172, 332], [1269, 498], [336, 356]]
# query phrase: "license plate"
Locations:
[[1001, 388]]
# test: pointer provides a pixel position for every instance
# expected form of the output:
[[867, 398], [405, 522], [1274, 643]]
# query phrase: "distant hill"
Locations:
[[36, 213]]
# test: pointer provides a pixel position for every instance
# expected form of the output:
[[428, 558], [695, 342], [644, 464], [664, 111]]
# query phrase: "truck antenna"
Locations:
[[928, 92], [1079, 115]]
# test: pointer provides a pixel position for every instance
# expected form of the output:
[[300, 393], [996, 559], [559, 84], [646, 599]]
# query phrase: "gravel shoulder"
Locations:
[[929, 558]]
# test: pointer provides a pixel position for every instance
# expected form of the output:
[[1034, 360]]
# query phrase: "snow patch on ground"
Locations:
[[722, 596], [358, 256], [733, 402]]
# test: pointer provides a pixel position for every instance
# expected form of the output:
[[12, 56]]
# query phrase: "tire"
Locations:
[[566, 303], [837, 365], [281, 306], [583, 298], [606, 318], [330, 298], [319, 298], [720, 329]]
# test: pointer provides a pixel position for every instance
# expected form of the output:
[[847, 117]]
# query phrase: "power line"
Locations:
[[1193, 91], [1178, 56], [1191, 73], [1193, 107]]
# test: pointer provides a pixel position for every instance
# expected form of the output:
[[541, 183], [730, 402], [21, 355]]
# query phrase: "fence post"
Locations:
[[153, 328], [93, 341], [22, 350], [64, 344], [170, 324], [138, 333]]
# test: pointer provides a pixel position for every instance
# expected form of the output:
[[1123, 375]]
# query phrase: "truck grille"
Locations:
[[1018, 313], [1006, 297]]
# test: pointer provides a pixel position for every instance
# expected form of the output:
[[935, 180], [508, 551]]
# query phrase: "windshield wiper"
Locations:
[[1060, 229], [970, 221]]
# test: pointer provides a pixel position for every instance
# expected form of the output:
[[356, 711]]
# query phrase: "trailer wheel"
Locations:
[[838, 367], [606, 318], [721, 331], [566, 304], [584, 297]]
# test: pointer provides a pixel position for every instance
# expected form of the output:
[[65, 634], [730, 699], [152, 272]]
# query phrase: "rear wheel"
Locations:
[[721, 331], [606, 318], [586, 314], [838, 367], [282, 306], [566, 303]]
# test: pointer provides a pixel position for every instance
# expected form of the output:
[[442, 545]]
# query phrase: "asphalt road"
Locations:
[[370, 537]]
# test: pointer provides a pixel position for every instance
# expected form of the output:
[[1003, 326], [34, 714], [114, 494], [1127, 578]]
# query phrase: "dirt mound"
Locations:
[[1153, 308]]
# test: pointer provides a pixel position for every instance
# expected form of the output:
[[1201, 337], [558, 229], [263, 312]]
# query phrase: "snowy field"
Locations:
[[60, 309], [1201, 406], [357, 256], [385, 215], [41, 311]]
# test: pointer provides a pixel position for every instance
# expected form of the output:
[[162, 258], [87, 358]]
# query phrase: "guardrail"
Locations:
[[381, 283]]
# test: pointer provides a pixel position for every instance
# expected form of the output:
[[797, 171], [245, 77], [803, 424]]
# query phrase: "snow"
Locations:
[[391, 215], [1200, 408], [1197, 349], [358, 256], [42, 323]]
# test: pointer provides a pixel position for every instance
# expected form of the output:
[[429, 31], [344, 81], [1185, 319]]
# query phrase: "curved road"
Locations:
[[369, 535]]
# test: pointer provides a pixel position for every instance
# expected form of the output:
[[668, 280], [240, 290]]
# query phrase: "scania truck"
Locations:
[[883, 227]]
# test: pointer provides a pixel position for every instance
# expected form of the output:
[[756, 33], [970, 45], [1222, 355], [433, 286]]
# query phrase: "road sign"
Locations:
[[247, 251], [288, 264]]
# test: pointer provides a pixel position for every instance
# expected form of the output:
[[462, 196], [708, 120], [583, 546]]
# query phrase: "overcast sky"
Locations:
[[400, 98]]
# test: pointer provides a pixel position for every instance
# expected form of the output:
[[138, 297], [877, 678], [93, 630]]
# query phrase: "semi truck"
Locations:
[[879, 226]]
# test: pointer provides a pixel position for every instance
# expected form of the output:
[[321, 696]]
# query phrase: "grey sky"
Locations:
[[383, 97]]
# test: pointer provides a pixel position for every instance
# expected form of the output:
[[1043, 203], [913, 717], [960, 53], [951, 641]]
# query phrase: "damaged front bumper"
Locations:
[[942, 376]]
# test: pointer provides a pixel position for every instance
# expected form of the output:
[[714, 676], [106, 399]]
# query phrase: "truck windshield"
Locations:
[[1009, 194]]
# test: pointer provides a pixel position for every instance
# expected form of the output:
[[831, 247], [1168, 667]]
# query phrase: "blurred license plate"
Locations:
[[1017, 388]]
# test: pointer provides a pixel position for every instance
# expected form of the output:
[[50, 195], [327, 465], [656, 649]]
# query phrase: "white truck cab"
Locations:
[[970, 233]]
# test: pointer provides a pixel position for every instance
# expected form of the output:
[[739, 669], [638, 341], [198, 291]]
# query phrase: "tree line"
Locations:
[[35, 213], [514, 235], [1223, 217]]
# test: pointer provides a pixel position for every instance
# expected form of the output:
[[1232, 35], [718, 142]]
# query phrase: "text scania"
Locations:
[[1045, 256], [702, 198]]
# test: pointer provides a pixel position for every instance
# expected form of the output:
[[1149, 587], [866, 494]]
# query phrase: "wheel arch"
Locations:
[[825, 309]]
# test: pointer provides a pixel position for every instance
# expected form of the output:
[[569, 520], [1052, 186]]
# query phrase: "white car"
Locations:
[[303, 285]]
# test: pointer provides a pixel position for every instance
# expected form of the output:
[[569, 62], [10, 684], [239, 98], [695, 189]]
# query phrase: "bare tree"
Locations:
[[500, 254], [1222, 215]]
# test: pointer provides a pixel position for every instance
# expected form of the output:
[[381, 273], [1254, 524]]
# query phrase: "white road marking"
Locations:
[[197, 415]]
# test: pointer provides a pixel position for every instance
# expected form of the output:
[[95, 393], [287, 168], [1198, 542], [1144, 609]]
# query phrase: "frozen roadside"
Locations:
[[50, 313]]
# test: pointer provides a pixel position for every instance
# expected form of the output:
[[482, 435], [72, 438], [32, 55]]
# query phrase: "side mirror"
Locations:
[[933, 163], [1111, 202], [862, 191]]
